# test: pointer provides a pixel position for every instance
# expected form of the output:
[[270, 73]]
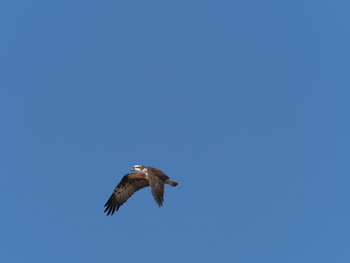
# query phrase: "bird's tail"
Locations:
[[171, 183]]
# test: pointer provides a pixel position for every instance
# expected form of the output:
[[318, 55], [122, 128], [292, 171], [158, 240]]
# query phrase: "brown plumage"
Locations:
[[143, 176]]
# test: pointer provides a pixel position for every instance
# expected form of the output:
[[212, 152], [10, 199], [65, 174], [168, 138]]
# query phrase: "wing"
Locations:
[[158, 173], [157, 188], [157, 179], [124, 190]]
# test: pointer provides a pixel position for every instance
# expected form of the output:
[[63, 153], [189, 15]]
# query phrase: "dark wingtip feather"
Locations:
[[110, 206], [159, 199]]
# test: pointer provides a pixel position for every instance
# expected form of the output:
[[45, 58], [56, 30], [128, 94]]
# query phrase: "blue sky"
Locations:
[[244, 103]]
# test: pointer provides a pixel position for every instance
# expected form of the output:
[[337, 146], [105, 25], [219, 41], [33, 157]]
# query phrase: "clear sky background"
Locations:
[[244, 103]]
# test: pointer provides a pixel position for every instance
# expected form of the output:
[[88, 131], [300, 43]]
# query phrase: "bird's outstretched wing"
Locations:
[[126, 188], [157, 188]]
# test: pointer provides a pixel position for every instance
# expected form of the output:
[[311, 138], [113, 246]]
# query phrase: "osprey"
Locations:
[[143, 176]]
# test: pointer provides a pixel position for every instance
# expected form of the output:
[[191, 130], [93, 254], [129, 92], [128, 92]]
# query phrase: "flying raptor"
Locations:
[[132, 182]]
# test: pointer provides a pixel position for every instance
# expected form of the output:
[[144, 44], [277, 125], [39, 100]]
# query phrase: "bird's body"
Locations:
[[132, 182]]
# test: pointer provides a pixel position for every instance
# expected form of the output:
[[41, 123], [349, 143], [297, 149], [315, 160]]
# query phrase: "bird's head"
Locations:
[[137, 168]]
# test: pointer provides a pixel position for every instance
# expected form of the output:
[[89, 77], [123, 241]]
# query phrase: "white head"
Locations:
[[137, 168]]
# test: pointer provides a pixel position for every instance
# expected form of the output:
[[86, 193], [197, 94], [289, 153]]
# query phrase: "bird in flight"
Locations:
[[132, 182]]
